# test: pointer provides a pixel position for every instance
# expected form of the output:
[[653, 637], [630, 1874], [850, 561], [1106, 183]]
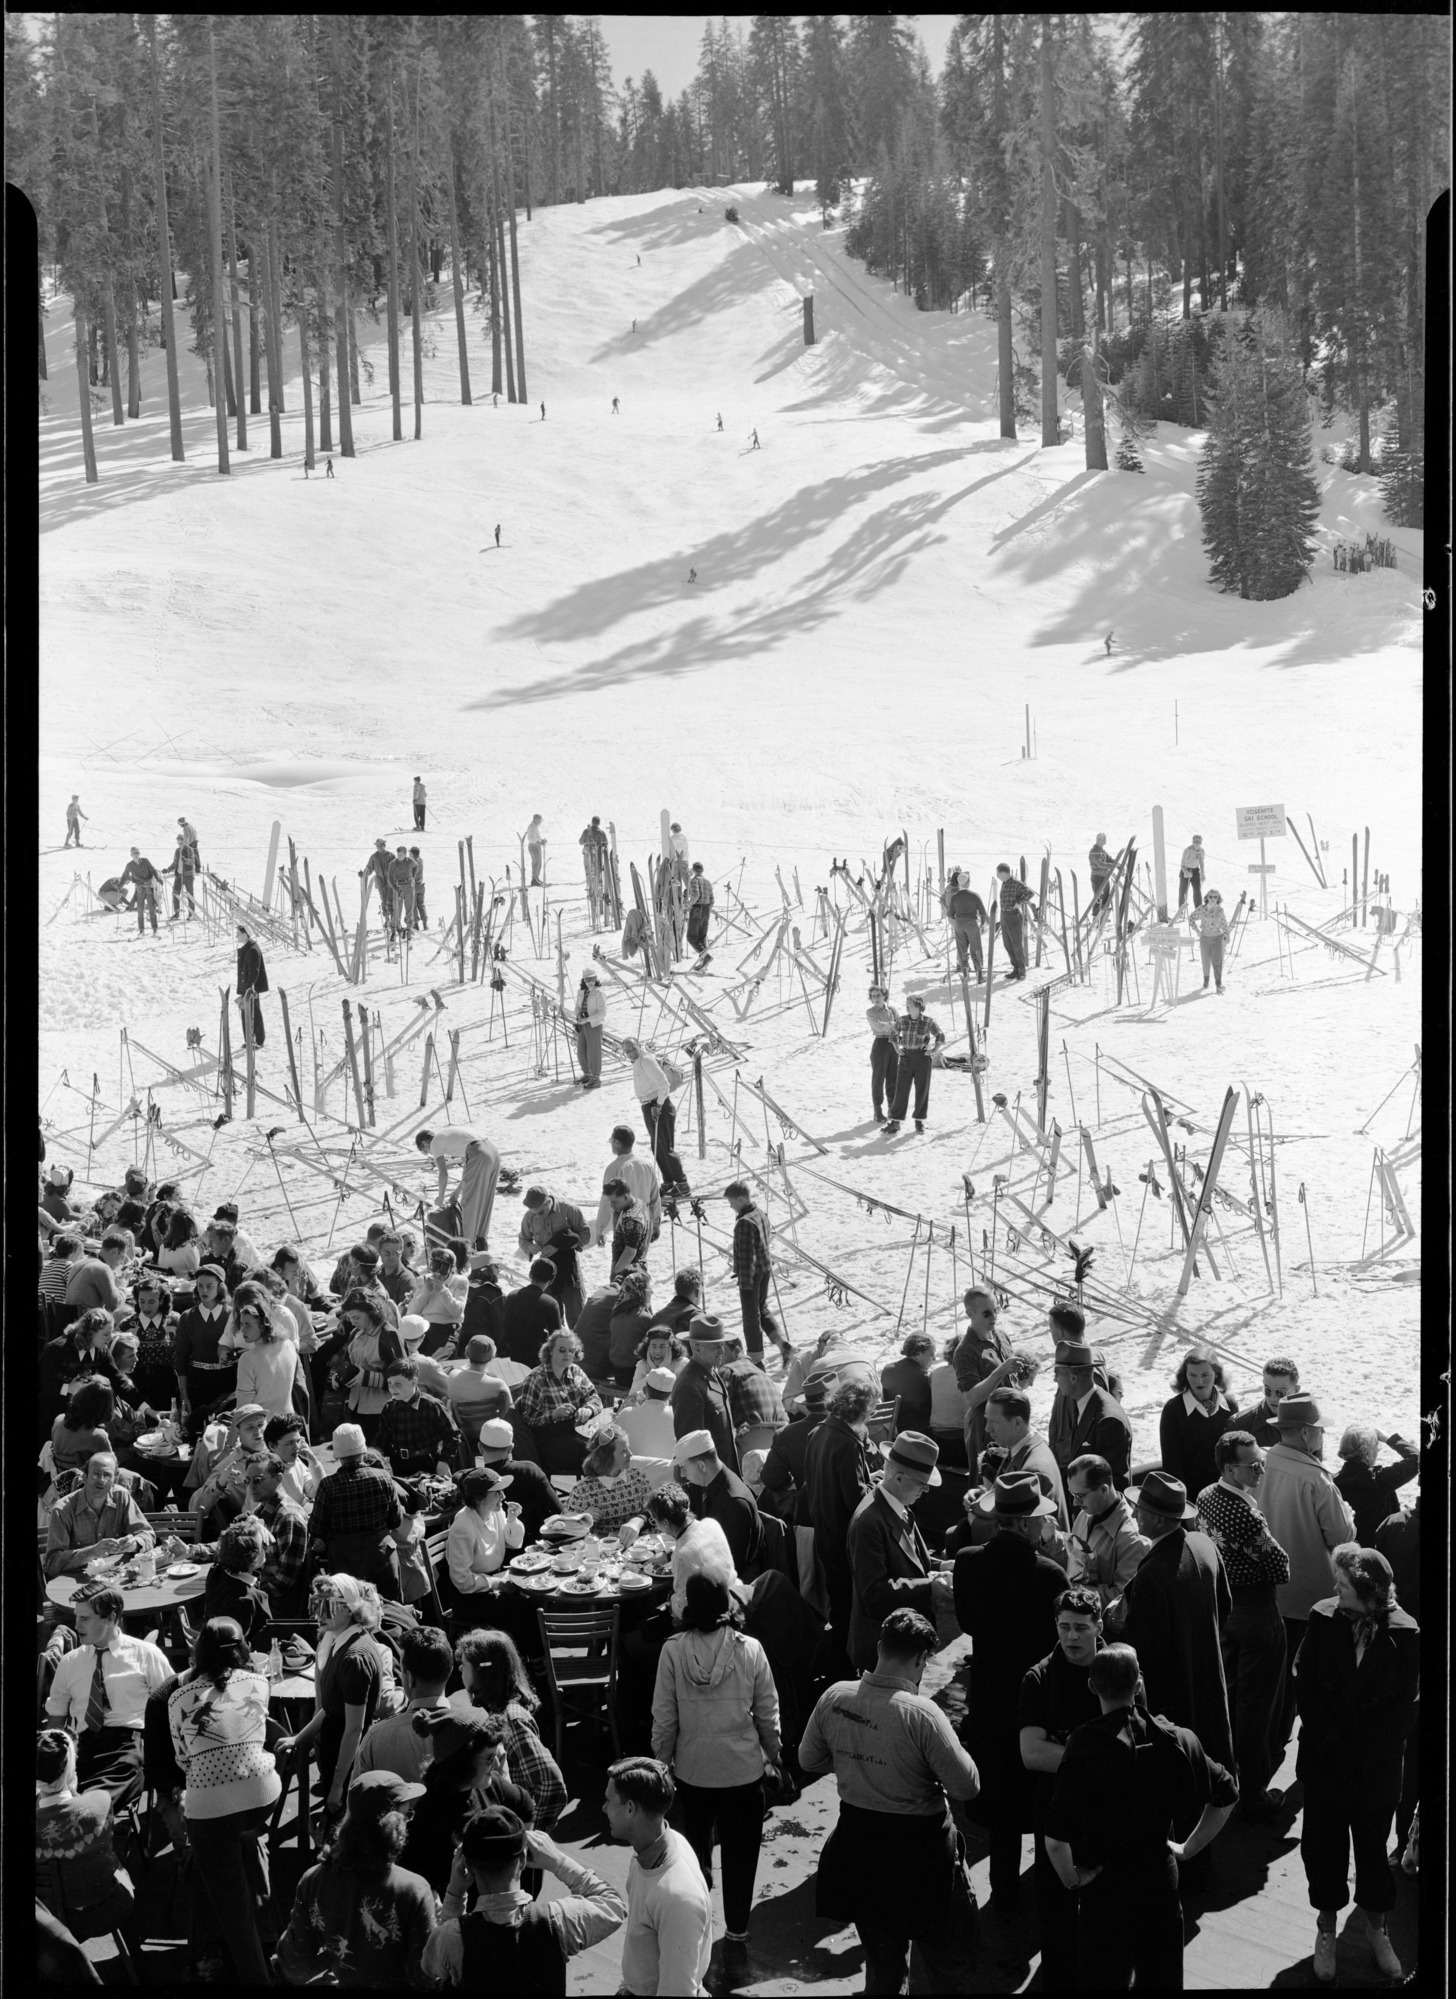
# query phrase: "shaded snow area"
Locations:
[[882, 589]]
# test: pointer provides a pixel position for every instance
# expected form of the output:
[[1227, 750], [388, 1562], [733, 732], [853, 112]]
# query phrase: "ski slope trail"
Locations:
[[798, 650]]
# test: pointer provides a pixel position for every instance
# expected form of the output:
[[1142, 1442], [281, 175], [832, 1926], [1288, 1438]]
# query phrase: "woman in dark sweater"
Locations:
[[909, 1378], [1194, 1419], [468, 1752], [1367, 1488]]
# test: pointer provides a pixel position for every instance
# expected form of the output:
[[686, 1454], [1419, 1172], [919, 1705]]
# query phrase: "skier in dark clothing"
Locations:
[[755, 446], [418, 800], [140, 871], [497, 534], [543, 412], [967, 912], [720, 419], [328, 468], [917, 1034], [1100, 862], [616, 407], [1013, 894], [422, 922], [252, 978], [378, 866], [700, 908], [183, 875]]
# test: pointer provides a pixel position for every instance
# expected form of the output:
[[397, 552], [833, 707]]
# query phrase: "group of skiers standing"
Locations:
[[146, 881], [400, 879], [967, 913]]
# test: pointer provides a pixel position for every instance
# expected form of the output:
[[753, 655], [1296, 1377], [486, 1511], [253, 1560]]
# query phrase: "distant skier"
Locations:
[[422, 922], [700, 909], [1108, 643], [497, 534], [639, 258], [678, 842], [884, 1055], [692, 576], [328, 468], [634, 326], [418, 799], [543, 412], [1211, 927], [402, 891], [74, 816], [183, 875], [190, 834], [535, 847], [252, 982], [616, 407], [755, 444], [720, 419], [1014, 895], [917, 1035], [967, 913], [1190, 873], [1100, 862], [140, 871], [495, 399]]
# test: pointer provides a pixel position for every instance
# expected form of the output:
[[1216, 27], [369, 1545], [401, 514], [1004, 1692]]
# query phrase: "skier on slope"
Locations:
[[497, 534], [148, 881], [720, 419], [74, 816], [377, 865], [252, 982], [422, 922], [402, 890], [917, 1036], [183, 876], [678, 842], [755, 446], [616, 407], [1191, 871], [418, 801], [1100, 862], [1013, 895], [535, 847], [1211, 927]]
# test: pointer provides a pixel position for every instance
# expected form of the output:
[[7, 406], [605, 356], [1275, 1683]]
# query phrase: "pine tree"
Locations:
[[1256, 494]]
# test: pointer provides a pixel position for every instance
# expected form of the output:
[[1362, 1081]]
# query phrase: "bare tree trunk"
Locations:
[[133, 355], [457, 276], [515, 255], [1218, 143], [1005, 349], [326, 432], [308, 457], [414, 243], [1050, 426], [40, 310], [272, 345], [1074, 272], [164, 252], [505, 301], [391, 239], [275, 281], [108, 295], [1094, 424], [83, 400], [219, 300], [232, 250], [355, 394], [501, 287], [255, 354], [493, 264], [341, 317], [230, 394]]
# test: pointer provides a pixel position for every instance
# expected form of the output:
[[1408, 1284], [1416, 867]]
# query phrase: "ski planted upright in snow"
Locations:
[[1205, 1198]]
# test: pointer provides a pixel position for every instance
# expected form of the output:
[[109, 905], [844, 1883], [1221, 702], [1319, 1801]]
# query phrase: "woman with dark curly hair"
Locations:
[[629, 1321], [659, 1348], [179, 1251], [1357, 1678], [1194, 1419], [358, 1917]]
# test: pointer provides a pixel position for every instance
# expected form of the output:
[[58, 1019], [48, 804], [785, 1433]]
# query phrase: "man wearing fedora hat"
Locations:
[[1005, 1593], [1308, 1517], [1172, 1611], [1094, 1419], [699, 1399], [888, 1559]]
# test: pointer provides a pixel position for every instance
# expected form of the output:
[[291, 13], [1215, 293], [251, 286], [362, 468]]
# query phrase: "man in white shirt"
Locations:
[[100, 1694], [654, 1093], [669, 1935], [479, 1171], [648, 1426], [1008, 1423], [427, 1659], [639, 1176]]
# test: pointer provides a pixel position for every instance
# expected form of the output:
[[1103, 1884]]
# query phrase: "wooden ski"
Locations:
[[288, 1038], [353, 1058], [1255, 1200], [1205, 1198]]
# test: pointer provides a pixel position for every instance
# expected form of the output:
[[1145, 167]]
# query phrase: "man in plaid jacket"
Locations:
[[752, 1272], [1013, 895], [918, 1035]]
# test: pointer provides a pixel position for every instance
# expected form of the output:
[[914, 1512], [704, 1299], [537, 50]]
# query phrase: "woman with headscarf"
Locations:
[[591, 1018], [252, 983], [353, 1679]]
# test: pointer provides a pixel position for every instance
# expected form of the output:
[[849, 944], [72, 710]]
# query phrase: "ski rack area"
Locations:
[[470, 1020]]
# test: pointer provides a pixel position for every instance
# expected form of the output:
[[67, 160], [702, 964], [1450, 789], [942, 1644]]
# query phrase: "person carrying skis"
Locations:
[[535, 847], [74, 816], [183, 875], [1191, 871], [884, 1053], [917, 1036], [252, 981], [418, 797], [1211, 927], [140, 871], [1013, 894], [1100, 862], [700, 908], [967, 913]]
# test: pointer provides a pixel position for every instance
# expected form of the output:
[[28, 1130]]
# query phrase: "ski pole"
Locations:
[[1309, 1238], [909, 1272]]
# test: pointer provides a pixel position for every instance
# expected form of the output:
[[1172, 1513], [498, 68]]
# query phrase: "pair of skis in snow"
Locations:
[[1194, 1213]]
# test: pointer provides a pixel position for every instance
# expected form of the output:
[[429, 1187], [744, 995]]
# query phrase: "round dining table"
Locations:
[[154, 1599]]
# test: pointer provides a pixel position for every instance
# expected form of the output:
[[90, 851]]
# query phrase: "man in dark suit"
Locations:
[[700, 1399], [719, 1494], [784, 1469], [889, 1561], [531, 1315], [531, 1488], [839, 1463], [1098, 1422], [1171, 1613], [1005, 1600]]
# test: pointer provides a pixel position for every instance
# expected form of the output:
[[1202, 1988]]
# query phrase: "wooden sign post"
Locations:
[[1261, 823]]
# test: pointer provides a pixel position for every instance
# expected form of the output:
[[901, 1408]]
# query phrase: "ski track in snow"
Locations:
[[880, 589]]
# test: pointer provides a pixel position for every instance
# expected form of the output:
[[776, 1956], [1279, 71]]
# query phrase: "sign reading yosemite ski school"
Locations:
[[1260, 822]]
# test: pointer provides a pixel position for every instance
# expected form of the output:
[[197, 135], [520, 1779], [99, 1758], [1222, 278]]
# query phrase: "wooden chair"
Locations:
[[185, 1526], [581, 1653], [883, 1421], [438, 1566]]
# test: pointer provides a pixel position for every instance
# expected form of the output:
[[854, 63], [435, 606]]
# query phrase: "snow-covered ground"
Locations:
[[881, 589]]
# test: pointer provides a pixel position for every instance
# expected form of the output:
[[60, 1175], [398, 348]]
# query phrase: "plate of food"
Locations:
[[541, 1584], [156, 1444], [565, 1527], [179, 1571], [579, 1586], [566, 1565], [530, 1563], [633, 1579]]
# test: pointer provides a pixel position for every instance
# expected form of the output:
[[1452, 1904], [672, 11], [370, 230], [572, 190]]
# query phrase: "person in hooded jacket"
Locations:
[[252, 978], [715, 1722]]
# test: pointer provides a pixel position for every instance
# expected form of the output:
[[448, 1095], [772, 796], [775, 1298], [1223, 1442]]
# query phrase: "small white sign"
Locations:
[[1260, 822]]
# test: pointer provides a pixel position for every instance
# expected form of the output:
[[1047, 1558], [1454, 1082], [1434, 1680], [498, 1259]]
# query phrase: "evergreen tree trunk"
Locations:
[[1005, 349], [505, 300], [553, 127], [255, 356], [40, 310], [1078, 328], [108, 294], [495, 317], [457, 276], [219, 299], [354, 392], [1050, 427], [580, 159], [414, 202], [341, 317], [1219, 163], [275, 279], [83, 399], [229, 394], [515, 254], [133, 355], [272, 347], [164, 252], [92, 361], [232, 252], [326, 429], [500, 286], [1094, 425], [1357, 318], [308, 457], [392, 247]]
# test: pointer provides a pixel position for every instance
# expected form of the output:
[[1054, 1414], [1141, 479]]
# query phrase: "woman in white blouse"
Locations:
[[487, 1528], [269, 1363]]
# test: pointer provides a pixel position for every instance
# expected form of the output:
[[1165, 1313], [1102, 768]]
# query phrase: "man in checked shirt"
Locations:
[[1013, 895], [917, 1035]]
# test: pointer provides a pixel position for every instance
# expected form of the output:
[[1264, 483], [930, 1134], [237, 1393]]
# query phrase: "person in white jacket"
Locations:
[[654, 1093], [639, 1175], [1211, 927], [715, 1723], [591, 1018], [487, 1528]]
